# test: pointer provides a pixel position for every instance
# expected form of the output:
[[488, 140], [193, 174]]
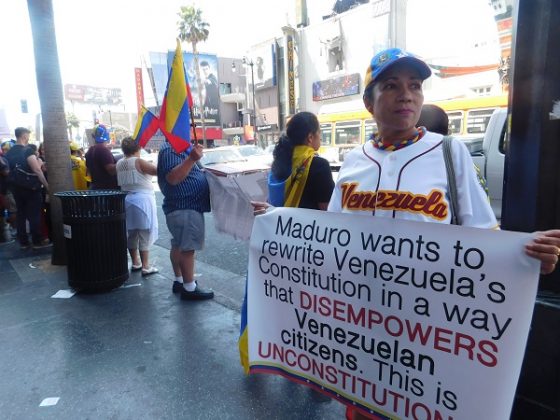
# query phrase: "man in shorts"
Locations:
[[186, 197]]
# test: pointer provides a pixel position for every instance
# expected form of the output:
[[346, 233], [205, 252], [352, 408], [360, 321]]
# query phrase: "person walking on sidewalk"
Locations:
[[135, 177], [186, 197], [26, 180]]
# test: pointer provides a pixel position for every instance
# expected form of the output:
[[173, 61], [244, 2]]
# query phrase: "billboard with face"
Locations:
[[264, 69], [210, 88]]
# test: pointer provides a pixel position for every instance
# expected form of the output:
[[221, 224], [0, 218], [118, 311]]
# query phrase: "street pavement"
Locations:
[[137, 351]]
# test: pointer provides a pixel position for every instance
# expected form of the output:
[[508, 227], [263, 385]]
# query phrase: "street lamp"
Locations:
[[249, 62]]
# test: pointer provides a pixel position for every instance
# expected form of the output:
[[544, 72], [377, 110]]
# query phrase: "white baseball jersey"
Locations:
[[411, 183]]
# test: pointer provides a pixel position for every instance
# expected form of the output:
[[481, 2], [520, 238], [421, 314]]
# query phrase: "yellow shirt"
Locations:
[[79, 173]]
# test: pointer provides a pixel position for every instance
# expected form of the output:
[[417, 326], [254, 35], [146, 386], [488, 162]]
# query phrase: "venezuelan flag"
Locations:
[[175, 111], [146, 127], [243, 341]]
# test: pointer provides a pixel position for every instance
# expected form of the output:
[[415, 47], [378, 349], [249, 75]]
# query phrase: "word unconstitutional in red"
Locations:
[[380, 395]]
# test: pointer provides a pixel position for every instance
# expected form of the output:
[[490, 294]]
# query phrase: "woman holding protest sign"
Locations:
[[299, 178], [402, 172]]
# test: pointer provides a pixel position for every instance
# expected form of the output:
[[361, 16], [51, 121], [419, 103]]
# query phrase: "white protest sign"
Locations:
[[403, 319]]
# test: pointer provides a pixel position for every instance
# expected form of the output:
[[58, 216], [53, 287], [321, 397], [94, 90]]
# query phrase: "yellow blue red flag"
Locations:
[[243, 340], [175, 111], [146, 126]]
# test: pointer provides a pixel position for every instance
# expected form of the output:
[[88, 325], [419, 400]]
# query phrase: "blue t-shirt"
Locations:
[[192, 193]]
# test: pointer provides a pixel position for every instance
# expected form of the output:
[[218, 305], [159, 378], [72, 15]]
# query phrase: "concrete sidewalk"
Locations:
[[135, 352]]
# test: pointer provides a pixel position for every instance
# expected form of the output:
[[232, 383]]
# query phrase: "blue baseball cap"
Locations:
[[386, 58], [100, 133], [7, 145]]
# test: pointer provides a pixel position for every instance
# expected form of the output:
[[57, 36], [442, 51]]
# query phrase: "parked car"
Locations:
[[117, 153], [490, 158], [228, 160], [255, 154], [150, 157]]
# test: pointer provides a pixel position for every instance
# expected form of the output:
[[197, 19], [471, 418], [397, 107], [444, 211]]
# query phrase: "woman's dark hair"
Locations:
[[129, 146], [434, 119], [368, 92], [297, 130]]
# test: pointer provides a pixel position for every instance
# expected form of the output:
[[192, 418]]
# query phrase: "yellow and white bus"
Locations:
[[469, 116], [342, 131]]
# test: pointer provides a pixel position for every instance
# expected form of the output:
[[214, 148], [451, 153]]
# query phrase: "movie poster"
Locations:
[[210, 87]]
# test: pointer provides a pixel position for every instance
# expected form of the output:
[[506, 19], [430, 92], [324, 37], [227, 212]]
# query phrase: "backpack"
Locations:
[[21, 175]]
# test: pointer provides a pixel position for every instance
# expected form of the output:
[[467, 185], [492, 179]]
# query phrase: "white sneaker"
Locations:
[[148, 271]]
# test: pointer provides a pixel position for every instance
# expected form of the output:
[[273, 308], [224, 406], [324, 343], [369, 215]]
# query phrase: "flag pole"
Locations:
[[193, 125]]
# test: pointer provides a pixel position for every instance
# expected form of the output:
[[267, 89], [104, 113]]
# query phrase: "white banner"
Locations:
[[401, 319], [230, 199]]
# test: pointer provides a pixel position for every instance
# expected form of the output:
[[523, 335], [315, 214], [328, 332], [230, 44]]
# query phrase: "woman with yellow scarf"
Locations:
[[299, 177]]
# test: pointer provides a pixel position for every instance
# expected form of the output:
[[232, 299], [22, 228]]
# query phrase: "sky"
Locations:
[[101, 41]]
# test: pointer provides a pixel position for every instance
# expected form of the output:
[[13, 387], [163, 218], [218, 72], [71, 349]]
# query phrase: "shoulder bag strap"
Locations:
[[451, 180]]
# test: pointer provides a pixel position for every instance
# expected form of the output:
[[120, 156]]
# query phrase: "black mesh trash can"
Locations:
[[95, 231]]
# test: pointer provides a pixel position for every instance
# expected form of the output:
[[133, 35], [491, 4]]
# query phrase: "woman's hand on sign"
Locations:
[[259, 207], [545, 247]]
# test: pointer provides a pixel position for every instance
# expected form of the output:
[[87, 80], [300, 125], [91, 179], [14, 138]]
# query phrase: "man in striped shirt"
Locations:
[[186, 197]]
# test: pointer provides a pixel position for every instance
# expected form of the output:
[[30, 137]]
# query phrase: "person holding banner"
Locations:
[[298, 177], [401, 172], [186, 197]]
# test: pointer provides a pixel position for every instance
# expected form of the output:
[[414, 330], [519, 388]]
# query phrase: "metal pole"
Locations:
[[254, 107]]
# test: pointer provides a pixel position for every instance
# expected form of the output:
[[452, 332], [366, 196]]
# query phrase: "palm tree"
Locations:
[[73, 122], [194, 30], [49, 85]]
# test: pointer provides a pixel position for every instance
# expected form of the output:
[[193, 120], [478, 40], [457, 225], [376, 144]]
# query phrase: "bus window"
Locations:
[[370, 127], [455, 122], [326, 134], [347, 132], [477, 120]]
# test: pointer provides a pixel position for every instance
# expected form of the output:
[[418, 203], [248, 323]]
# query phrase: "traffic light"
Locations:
[[24, 106]]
